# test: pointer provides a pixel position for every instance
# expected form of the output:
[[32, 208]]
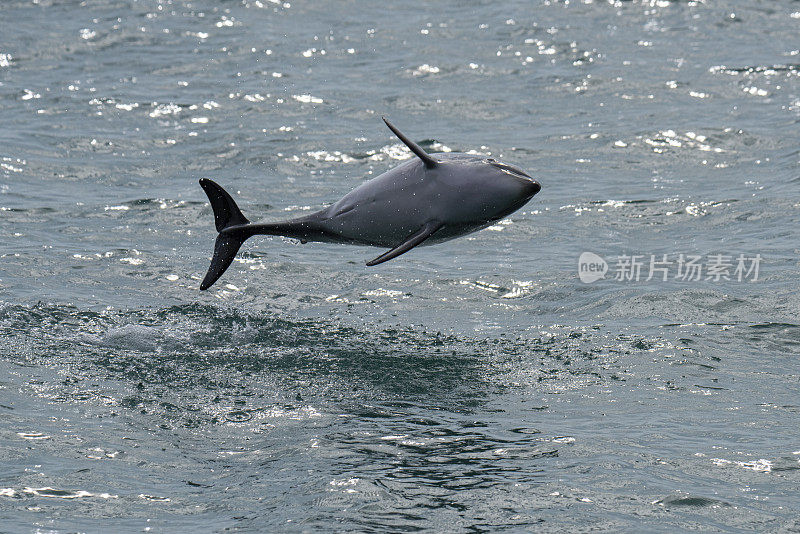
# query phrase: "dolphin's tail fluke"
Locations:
[[230, 222]]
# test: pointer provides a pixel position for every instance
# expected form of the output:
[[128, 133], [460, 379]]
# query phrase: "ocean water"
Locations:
[[478, 385]]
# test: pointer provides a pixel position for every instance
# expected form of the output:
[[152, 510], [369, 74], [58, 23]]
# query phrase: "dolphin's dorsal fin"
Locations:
[[414, 147]]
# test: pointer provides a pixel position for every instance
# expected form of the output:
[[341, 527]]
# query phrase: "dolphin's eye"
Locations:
[[490, 160]]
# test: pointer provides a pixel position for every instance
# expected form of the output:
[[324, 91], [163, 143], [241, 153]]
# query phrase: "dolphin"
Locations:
[[423, 201]]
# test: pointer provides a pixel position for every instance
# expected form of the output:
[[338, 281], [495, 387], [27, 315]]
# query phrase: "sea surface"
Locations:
[[474, 386]]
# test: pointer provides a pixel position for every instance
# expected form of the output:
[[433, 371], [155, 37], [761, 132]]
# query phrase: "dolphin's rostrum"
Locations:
[[423, 201]]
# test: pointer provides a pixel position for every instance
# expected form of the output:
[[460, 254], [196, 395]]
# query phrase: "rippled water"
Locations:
[[476, 385]]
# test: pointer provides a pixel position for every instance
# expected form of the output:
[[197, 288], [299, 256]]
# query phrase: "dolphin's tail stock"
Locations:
[[231, 225]]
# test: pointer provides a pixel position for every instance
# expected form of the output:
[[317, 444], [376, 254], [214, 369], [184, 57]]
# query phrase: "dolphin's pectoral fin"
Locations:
[[413, 240], [412, 146]]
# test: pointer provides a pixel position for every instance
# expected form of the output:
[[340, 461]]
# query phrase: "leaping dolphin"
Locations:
[[422, 201]]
